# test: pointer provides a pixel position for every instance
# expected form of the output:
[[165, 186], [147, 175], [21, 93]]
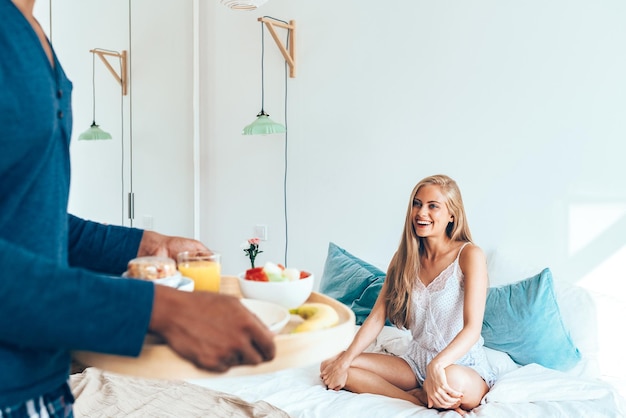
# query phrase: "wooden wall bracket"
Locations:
[[289, 54], [121, 78]]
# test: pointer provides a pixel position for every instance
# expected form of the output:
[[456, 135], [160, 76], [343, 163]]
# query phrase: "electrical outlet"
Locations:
[[260, 232], [148, 222]]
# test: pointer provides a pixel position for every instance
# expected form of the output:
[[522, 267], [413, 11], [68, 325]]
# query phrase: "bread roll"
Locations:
[[151, 268]]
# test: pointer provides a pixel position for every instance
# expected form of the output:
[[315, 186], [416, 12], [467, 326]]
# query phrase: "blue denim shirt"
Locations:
[[52, 300]]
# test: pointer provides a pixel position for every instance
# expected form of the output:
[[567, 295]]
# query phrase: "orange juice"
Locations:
[[204, 273]]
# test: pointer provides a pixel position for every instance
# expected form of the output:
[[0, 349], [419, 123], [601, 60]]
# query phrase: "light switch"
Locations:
[[260, 232], [148, 222]]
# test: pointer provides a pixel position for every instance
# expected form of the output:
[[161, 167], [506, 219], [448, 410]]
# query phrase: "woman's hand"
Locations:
[[438, 393], [334, 371]]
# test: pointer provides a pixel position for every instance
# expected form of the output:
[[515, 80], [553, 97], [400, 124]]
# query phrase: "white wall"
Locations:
[[523, 104], [162, 45], [151, 153], [100, 170]]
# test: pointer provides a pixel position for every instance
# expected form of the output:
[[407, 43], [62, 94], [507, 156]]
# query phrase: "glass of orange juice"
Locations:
[[203, 268]]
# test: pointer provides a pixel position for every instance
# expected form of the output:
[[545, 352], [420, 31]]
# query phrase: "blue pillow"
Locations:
[[351, 281], [523, 320]]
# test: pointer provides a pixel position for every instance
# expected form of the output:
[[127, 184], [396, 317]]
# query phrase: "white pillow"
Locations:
[[504, 268], [579, 314], [576, 305], [500, 361], [391, 340]]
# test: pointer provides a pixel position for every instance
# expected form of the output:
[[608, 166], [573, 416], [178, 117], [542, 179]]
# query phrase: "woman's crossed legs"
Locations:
[[391, 376]]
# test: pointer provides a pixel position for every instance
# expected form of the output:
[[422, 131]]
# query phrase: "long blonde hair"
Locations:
[[405, 265]]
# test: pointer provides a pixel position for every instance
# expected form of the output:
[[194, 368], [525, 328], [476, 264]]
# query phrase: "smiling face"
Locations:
[[430, 214]]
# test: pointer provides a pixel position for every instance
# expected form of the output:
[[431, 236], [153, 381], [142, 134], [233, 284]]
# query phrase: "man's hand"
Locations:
[[211, 330], [155, 244]]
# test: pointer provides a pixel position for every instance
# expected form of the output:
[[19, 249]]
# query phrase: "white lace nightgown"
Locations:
[[438, 318]]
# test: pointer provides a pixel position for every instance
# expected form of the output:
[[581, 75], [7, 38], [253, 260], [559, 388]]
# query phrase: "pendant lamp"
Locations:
[[94, 132], [243, 4], [263, 125]]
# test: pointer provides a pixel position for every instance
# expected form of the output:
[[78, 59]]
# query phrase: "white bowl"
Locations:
[[274, 316], [175, 280], [289, 294]]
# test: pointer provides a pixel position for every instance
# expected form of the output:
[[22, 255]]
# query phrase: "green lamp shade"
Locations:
[[94, 132], [243, 4], [263, 125]]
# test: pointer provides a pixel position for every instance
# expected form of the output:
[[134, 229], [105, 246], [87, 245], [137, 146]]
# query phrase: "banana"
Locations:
[[316, 316]]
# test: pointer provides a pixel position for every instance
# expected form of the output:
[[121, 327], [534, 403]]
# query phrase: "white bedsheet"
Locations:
[[527, 392], [531, 391]]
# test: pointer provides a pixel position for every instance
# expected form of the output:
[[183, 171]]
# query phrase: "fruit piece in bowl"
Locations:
[[287, 287]]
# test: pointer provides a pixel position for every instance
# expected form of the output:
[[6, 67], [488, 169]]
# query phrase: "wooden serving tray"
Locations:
[[157, 360]]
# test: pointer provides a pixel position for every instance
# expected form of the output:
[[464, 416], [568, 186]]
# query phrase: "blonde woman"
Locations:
[[436, 287]]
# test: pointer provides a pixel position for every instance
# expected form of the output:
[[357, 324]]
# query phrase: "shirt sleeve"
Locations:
[[102, 248], [46, 305]]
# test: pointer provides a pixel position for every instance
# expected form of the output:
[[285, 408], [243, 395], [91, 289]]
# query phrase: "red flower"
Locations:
[[253, 249]]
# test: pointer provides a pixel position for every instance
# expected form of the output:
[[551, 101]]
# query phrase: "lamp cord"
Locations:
[[93, 87], [93, 80], [122, 143], [131, 212], [285, 175], [93, 76], [286, 263], [50, 19], [262, 69]]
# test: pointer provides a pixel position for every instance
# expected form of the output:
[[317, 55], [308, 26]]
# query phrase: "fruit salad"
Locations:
[[271, 272]]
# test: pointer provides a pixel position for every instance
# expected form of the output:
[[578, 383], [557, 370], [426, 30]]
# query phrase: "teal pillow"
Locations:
[[523, 320], [351, 281]]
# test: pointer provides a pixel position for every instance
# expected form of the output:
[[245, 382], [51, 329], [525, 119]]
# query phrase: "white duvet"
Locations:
[[530, 391], [526, 392]]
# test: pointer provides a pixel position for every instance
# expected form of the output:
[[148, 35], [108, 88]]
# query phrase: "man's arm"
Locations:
[[102, 248], [47, 305]]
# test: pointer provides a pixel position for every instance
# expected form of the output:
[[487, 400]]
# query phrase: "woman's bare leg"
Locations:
[[391, 376], [382, 374], [467, 381], [464, 380]]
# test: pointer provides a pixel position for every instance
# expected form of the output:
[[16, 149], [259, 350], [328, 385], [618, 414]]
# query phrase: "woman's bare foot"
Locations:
[[420, 396], [328, 361]]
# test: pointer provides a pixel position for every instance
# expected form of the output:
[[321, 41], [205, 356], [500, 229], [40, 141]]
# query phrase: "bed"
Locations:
[[548, 328], [528, 391]]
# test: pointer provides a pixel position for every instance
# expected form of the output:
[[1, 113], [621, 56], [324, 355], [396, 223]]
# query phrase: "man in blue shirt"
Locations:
[[56, 293]]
